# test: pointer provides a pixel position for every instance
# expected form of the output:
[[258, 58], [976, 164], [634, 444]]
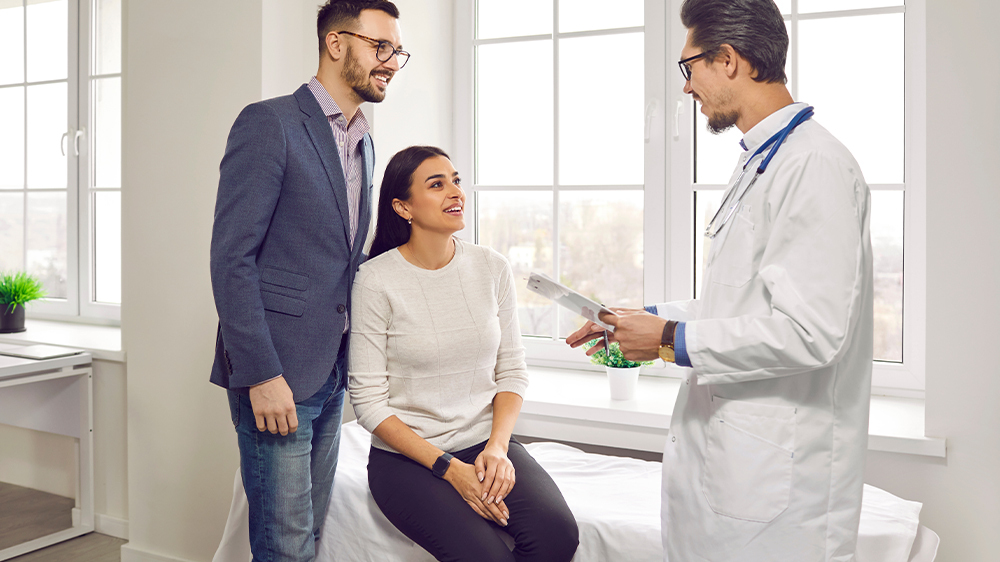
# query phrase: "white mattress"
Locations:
[[616, 502]]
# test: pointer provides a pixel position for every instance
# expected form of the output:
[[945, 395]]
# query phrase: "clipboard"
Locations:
[[541, 284]]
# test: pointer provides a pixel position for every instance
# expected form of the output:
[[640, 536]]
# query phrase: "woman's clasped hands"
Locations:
[[484, 485]]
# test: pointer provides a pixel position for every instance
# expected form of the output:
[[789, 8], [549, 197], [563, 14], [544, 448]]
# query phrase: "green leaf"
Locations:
[[19, 288]]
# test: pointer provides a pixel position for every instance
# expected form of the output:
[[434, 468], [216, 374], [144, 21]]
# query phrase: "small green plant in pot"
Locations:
[[16, 290], [623, 375]]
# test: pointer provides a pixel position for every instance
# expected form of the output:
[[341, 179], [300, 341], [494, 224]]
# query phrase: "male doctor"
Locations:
[[767, 442]]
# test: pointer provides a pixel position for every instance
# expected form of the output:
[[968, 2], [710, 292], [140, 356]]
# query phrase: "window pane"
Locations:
[[514, 114], [107, 132], [588, 15], [785, 6], [108, 246], [715, 155], [11, 43], [810, 6], [12, 138], [518, 224], [596, 148], [46, 124], [46, 251], [108, 36], [706, 203], [48, 37], [11, 231], [887, 252], [513, 18], [829, 51], [607, 267]]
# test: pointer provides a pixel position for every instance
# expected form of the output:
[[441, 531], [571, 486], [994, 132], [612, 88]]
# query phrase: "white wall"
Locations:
[[961, 494], [190, 66]]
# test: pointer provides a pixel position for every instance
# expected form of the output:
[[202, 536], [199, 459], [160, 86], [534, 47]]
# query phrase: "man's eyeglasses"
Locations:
[[686, 64], [385, 50]]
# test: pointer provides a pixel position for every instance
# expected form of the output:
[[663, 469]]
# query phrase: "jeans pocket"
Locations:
[[234, 407], [748, 460]]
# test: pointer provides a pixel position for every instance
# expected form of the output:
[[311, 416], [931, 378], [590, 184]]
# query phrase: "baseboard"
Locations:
[[133, 554], [105, 524]]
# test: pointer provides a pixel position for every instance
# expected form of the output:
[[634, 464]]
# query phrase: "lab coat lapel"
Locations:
[[318, 127]]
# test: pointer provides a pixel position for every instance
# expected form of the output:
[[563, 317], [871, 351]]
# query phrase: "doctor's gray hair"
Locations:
[[753, 28]]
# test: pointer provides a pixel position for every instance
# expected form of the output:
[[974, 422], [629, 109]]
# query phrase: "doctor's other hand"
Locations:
[[462, 476], [637, 332], [274, 406]]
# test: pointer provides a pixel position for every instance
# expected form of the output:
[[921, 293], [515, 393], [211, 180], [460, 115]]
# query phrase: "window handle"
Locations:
[[651, 109], [76, 141], [62, 143], [678, 110]]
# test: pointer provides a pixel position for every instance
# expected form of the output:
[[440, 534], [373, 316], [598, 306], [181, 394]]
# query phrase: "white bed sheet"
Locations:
[[616, 502]]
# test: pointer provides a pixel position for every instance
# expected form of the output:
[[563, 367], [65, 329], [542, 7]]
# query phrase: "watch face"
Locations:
[[667, 354]]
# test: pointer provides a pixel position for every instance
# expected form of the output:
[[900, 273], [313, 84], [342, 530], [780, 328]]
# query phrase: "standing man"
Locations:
[[291, 218], [765, 455]]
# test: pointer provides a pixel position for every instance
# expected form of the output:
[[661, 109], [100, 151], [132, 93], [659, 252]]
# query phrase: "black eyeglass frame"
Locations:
[[405, 58], [685, 65]]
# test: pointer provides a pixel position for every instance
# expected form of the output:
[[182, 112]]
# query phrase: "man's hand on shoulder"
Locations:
[[274, 406]]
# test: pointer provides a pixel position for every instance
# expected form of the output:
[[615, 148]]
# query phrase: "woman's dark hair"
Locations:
[[753, 28], [391, 230], [345, 13]]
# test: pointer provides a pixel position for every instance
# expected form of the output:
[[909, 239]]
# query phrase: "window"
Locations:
[[60, 152], [592, 166]]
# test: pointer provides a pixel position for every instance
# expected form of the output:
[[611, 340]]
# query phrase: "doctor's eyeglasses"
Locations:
[[384, 50], [685, 64]]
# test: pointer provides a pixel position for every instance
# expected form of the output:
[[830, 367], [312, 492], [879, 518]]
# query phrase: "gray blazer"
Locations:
[[281, 261]]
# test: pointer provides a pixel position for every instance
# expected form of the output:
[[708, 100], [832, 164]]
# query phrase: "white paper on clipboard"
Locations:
[[541, 284]]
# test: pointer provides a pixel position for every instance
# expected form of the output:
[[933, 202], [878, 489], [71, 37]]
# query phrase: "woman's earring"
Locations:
[[409, 221]]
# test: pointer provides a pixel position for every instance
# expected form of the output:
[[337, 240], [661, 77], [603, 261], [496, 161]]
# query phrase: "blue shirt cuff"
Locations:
[[680, 347], [651, 308]]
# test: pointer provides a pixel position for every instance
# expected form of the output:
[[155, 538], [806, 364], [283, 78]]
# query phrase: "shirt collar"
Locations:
[[770, 125], [332, 110]]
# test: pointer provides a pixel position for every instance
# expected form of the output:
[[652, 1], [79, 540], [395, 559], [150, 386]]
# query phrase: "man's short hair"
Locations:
[[343, 15], [753, 28]]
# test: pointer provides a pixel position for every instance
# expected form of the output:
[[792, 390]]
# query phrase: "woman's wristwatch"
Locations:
[[667, 342], [441, 465]]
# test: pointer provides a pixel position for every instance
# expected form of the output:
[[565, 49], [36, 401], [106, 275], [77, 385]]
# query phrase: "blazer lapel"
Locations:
[[318, 127]]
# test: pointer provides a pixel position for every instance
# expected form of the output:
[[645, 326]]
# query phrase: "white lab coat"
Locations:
[[767, 442]]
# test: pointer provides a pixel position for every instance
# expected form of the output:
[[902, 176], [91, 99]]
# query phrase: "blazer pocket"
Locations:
[[748, 460], [284, 278], [280, 303]]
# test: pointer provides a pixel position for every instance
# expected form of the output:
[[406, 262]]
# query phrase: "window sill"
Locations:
[[575, 406], [102, 342]]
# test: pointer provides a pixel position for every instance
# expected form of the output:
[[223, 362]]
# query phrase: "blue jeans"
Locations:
[[288, 479]]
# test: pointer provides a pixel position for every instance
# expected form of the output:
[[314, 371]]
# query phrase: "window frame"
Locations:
[[80, 304], [668, 189]]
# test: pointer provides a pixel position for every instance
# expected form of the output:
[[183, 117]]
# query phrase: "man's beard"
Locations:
[[721, 121], [360, 81]]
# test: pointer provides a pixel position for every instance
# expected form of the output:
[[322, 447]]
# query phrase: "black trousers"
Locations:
[[432, 514]]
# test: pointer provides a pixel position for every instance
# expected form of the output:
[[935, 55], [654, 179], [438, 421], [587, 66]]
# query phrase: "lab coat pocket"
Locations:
[[748, 459], [733, 266]]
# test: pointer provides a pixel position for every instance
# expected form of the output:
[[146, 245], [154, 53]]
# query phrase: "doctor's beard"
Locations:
[[721, 121]]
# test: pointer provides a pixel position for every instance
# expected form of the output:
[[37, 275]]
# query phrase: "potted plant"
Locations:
[[16, 290], [623, 375]]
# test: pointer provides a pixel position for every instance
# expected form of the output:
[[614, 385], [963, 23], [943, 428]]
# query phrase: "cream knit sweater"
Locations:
[[434, 347]]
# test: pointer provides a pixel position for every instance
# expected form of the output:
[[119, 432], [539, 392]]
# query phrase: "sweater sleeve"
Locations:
[[368, 377], [511, 372]]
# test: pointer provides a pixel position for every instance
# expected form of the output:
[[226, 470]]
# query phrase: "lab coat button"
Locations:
[[341, 308], [673, 438]]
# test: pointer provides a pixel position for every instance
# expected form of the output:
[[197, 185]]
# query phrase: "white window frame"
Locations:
[[668, 191], [79, 305]]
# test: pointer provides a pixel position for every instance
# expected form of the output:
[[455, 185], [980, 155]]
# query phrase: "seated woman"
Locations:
[[437, 375]]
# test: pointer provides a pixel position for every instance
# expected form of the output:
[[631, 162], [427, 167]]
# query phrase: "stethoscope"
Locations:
[[714, 226]]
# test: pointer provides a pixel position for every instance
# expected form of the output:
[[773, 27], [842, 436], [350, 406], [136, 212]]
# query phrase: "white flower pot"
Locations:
[[623, 382]]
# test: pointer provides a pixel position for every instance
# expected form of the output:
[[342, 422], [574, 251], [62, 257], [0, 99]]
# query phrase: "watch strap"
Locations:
[[441, 465], [667, 338]]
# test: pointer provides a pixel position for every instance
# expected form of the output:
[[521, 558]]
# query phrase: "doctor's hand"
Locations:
[[274, 407], [637, 332], [496, 472], [463, 478]]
